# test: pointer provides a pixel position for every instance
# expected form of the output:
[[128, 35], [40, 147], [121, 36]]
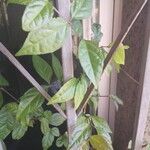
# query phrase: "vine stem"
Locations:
[[26, 74], [119, 40], [10, 95]]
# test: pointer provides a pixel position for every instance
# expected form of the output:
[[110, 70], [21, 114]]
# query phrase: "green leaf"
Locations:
[[66, 92], [6, 123], [55, 131], [1, 99], [97, 34], [56, 119], [91, 59], [81, 132], [11, 108], [44, 125], [57, 67], [93, 103], [81, 89], [101, 127], [117, 101], [77, 27], [47, 140], [3, 81], [19, 131], [62, 141], [46, 39], [21, 2], [36, 14], [29, 103], [42, 68], [81, 9], [119, 56], [100, 124], [99, 143]]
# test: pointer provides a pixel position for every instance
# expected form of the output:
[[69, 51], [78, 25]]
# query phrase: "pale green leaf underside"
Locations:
[[81, 9], [66, 92], [46, 39], [91, 59], [36, 14], [42, 68]]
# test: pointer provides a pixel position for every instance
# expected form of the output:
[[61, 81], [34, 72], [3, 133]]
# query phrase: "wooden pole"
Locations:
[[67, 62]]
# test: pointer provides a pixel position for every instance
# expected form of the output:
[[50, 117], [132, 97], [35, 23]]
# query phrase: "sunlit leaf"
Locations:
[[36, 14], [57, 67], [42, 68], [3, 81], [91, 58], [80, 91], [81, 9], [29, 103], [99, 143], [46, 39], [66, 93], [119, 56]]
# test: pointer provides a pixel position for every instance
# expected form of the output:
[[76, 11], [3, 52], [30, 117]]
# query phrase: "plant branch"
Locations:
[[119, 40], [10, 95], [26, 74]]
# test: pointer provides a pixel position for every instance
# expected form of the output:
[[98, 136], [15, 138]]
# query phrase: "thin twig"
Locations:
[[26, 74], [130, 77], [10, 95], [119, 40]]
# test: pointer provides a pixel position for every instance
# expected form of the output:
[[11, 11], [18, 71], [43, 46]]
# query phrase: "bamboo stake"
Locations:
[[26, 74], [67, 60]]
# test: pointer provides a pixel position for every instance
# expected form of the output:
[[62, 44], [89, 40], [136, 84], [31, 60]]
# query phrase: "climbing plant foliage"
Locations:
[[47, 34]]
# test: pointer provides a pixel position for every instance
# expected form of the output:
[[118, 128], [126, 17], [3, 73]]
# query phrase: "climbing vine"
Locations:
[[46, 35]]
